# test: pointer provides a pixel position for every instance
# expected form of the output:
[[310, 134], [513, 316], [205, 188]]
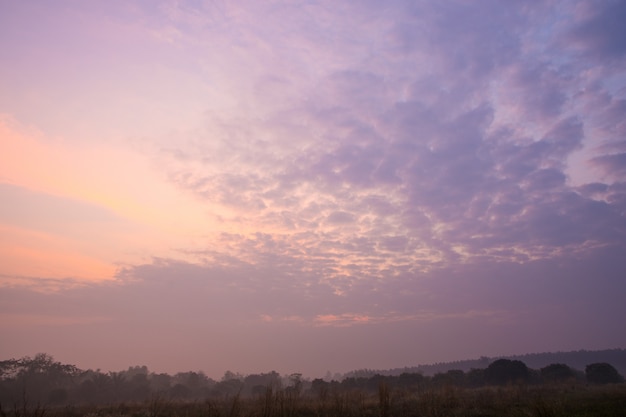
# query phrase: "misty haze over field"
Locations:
[[310, 186]]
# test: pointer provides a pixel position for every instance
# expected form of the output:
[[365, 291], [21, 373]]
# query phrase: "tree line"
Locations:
[[575, 359], [42, 380]]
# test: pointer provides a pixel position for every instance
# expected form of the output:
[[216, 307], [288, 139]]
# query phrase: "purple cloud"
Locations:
[[442, 171], [601, 32]]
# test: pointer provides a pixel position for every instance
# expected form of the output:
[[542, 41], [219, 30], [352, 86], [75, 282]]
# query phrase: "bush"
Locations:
[[505, 371], [602, 373], [557, 372]]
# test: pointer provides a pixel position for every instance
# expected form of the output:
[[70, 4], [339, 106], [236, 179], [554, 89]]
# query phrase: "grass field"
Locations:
[[571, 400]]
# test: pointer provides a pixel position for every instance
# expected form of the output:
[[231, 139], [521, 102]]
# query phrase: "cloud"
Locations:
[[169, 291], [614, 165], [82, 210], [472, 45], [325, 165], [370, 153], [238, 311], [339, 217], [600, 31]]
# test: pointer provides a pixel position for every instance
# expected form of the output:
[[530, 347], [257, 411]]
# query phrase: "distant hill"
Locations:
[[575, 359]]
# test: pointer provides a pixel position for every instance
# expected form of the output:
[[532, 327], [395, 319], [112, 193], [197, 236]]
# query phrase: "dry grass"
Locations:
[[573, 400]]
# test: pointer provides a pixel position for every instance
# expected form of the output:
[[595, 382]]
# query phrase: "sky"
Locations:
[[310, 185]]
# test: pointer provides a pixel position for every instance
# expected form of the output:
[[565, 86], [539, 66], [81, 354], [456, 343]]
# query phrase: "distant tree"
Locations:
[[505, 371], [104, 386], [295, 385], [453, 377], [411, 380], [351, 383], [475, 377], [373, 382], [180, 392], [602, 373], [229, 375], [557, 372], [227, 388], [36, 378], [256, 384], [118, 383], [57, 396], [259, 390], [160, 382], [87, 391], [136, 370], [197, 382], [140, 387], [9, 368], [320, 388]]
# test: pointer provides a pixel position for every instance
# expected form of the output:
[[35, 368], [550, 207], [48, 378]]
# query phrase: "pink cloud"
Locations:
[[273, 182]]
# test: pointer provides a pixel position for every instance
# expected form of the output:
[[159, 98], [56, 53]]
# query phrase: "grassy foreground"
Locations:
[[571, 400]]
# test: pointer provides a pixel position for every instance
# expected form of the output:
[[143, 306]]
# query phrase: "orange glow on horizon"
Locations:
[[28, 253], [154, 218], [108, 179]]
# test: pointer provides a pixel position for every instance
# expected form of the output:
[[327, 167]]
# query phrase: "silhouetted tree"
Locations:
[[256, 384], [118, 383], [180, 392], [475, 378], [373, 383], [557, 372], [228, 375], [504, 371], [602, 373], [87, 391], [227, 388], [9, 368], [139, 387], [320, 388], [57, 396], [197, 382], [454, 377], [411, 380], [40, 379], [160, 382]]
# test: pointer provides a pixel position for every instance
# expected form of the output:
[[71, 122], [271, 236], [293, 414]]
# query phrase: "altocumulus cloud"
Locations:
[[426, 136], [447, 162]]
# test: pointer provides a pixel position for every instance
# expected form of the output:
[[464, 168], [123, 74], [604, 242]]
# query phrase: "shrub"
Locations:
[[602, 373]]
